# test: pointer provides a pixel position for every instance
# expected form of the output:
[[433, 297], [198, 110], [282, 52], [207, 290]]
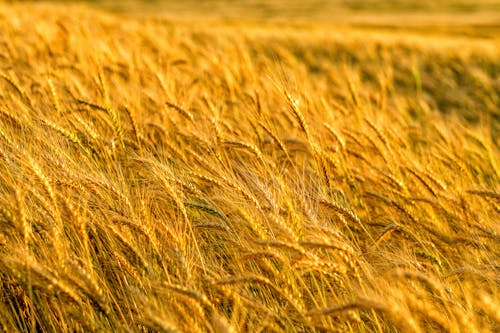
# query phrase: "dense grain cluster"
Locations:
[[190, 178]]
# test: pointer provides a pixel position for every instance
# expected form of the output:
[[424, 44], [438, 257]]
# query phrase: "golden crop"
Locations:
[[240, 177]]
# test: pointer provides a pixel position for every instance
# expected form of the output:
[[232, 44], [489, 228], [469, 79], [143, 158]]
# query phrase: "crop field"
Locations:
[[251, 166]]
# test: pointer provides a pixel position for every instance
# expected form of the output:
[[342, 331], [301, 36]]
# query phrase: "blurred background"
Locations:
[[467, 11], [478, 18]]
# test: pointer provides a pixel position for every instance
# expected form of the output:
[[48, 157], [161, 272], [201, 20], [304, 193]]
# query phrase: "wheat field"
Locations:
[[241, 176]]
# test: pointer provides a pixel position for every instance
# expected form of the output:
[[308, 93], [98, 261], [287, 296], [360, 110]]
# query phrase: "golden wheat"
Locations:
[[162, 175]]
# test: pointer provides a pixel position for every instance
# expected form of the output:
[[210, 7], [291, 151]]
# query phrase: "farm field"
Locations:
[[251, 166]]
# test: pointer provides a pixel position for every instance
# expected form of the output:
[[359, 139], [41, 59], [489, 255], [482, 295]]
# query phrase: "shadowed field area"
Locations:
[[232, 167]]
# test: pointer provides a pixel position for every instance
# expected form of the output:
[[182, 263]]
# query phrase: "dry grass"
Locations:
[[184, 177]]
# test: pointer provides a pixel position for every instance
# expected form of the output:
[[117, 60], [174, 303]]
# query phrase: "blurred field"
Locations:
[[459, 17], [309, 9], [258, 167]]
